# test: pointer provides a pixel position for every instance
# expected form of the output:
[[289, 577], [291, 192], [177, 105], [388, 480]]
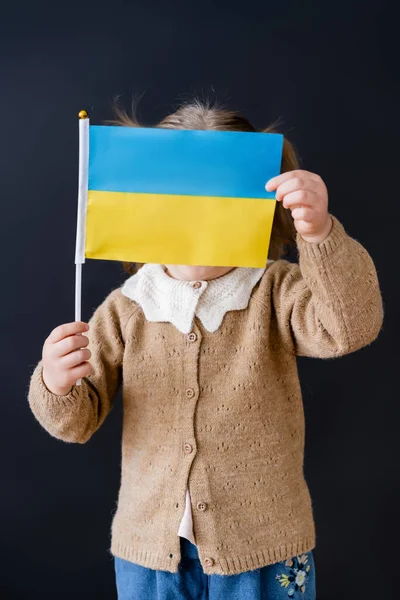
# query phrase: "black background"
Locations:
[[330, 72]]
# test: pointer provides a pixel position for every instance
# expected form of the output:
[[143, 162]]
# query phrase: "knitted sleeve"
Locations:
[[75, 416], [329, 304]]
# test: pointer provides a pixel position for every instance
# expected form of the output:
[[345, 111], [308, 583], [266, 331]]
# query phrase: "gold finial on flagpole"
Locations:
[[83, 114]]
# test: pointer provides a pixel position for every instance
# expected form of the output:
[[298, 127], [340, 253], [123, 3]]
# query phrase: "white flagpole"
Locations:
[[82, 207]]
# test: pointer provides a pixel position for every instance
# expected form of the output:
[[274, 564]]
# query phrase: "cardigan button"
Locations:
[[190, 393], [201, 505], [188, 448], [209, 561], [196, 285], [192, 337]]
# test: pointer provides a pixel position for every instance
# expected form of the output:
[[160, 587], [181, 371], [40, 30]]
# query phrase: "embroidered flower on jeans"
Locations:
[[296, 576]]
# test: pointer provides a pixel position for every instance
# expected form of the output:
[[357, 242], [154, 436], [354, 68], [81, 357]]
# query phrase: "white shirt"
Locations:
[[165, 299]]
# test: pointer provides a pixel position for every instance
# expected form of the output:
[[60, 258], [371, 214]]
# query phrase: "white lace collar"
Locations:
[[165, 299]]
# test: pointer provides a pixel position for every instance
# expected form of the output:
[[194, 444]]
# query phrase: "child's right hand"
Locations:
[[64, 362]]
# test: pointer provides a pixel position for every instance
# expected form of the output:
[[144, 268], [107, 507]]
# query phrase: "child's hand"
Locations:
[[63, 361], [305, 194]]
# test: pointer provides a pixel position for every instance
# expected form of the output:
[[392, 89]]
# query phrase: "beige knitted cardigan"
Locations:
[[219, 412]]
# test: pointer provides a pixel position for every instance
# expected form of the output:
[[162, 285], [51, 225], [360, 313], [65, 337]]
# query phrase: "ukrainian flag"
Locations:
[[180, 196]]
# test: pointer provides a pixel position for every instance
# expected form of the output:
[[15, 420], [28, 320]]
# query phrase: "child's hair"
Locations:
[[198, 114]]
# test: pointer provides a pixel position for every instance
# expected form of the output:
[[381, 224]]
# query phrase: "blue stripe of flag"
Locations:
[[191, 162]]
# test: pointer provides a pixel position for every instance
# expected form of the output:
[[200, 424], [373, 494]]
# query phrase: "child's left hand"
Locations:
[[305, 194]]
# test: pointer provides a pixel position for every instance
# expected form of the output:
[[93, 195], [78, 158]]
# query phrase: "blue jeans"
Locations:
[[293, 580]]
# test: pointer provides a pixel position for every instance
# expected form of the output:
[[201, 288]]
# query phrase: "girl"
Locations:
[[213, 502]]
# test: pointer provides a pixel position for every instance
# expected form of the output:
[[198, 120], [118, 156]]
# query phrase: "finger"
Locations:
[[299, 198], [82, 370], [294, 184], [67, 329], [69, 344], [273, 183], [75, 358], [303, 213]]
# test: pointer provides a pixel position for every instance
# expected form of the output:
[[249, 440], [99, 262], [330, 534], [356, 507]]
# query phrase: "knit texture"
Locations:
[[165, 299], [222, 412]]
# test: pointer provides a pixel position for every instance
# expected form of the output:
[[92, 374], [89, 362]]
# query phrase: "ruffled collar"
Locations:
[[165, 299]]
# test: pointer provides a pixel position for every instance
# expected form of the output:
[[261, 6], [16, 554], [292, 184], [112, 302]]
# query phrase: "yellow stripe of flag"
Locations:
[[212, 230]]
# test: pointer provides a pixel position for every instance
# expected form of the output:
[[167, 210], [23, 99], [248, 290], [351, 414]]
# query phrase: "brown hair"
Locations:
[[197, 114]]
